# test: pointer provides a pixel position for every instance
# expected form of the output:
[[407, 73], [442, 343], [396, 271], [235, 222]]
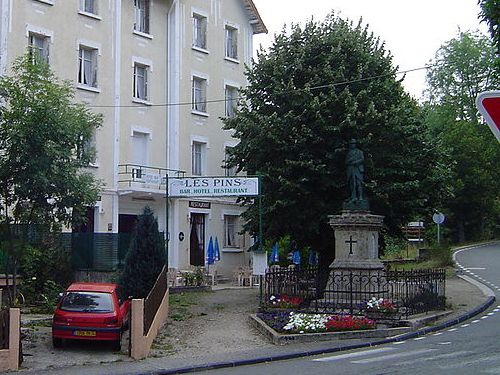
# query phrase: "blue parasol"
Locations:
[[210, 252], [313, 257], [274, 257], [296, 257], [216, 249]]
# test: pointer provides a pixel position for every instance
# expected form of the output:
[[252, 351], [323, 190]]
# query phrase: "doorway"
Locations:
[[197, 240]]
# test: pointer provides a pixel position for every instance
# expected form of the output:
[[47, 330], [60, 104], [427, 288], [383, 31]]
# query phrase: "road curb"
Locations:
[[280, 357]]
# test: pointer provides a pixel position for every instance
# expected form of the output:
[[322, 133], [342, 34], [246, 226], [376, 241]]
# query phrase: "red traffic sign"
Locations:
[[488, 103]]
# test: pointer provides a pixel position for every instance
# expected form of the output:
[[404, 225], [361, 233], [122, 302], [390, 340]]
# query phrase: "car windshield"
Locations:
[[87, 302]]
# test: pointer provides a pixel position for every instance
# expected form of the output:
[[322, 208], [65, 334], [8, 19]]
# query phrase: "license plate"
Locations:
[[84, 333]]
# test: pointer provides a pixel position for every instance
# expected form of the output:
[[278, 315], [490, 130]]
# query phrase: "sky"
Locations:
[[412, 30]]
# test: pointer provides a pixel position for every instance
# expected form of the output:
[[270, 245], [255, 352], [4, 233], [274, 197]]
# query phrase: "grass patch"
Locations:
[[180, 304]]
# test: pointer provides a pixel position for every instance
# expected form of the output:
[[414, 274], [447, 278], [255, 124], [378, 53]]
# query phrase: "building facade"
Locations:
[[163, 73]]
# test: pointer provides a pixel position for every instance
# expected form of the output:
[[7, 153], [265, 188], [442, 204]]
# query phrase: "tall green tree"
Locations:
[[44, 150], [490, 13], [462, 68], [45, 144], [145, 257], [316, 88]]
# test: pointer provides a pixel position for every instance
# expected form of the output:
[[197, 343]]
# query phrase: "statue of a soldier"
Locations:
[[355, 165]]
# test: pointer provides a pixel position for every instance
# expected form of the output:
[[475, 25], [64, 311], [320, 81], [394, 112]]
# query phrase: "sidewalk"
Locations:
[[463, 296]]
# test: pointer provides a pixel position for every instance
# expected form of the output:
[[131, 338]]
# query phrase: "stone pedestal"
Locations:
[[356, 274], [356, 240]]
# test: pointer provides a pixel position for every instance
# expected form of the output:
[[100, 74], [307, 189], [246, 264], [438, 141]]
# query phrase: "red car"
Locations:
[[91, 311]]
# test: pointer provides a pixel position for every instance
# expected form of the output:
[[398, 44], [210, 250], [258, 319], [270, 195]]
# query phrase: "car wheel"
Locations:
[[56, 342]]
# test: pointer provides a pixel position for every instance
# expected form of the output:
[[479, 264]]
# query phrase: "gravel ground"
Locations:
[[215, 322], [205, 325]]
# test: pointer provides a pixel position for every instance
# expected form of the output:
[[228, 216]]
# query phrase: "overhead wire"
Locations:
[[319, 87]]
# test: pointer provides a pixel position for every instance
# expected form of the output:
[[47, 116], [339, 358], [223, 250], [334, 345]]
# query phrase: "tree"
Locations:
[[145, 257], [44, 150], [464, 67], [490, 13], [316, 88]]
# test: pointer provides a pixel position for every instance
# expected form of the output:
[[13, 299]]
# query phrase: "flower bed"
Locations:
[[298, 323], [283, 302]]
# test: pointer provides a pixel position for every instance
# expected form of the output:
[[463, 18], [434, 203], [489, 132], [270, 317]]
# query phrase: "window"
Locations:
[[140, 82], [231, 39], [231, 97], [197, 158], [230, 230], [86, 149], [199, 31], [87, 66], [229, 171], [141, 9], [88, 6], [199, 95], [140, 148], [38, 47]]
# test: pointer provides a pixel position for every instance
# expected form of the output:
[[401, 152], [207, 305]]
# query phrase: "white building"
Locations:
[[159, 71]]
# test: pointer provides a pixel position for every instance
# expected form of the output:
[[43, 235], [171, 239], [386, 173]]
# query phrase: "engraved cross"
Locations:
[[350, 242]]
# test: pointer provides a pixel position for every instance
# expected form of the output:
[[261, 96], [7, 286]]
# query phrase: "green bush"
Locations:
[[46, 271], [145, 257]]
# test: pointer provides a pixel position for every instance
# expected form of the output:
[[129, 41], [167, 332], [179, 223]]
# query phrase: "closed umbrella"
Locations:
[[210, 252], [274, 257], [313, 257], [296, 257], [216, 249]]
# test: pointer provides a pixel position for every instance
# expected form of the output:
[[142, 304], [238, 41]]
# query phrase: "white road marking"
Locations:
[[452, 330], [484, 317], [490, 314], [475, 321], [352, 355], [469, 362], [476, 268], [434, 358], [399, 342], [419, 338], [496, 310], [393, 356], [444, 343], [464, 325], [438, 334]]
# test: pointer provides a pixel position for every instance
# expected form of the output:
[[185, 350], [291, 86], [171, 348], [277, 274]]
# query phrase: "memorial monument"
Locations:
[[356, 241]]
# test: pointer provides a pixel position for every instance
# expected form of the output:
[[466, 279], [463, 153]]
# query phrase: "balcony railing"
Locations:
[[145, 177]]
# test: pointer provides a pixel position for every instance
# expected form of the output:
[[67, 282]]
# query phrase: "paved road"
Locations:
[[469, 348]]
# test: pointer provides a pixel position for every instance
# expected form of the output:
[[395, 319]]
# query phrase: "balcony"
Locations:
[[133, 178]]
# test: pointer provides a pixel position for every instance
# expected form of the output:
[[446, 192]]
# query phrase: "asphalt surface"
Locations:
[[468, 297], [470, 347]]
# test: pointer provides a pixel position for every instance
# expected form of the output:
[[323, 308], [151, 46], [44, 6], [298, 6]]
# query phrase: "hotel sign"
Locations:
[[213, 187]]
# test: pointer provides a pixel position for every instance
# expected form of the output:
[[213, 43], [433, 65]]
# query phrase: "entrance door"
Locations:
[[126, 223], [197, 240]]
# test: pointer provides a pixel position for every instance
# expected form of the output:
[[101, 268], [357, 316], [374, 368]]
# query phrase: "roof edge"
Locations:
[[258, 25]]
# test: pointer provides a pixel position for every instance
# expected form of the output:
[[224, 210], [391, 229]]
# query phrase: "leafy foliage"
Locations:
[[44, 149], [44, 143], [318, 87], [490, 13], [463, 68], [145, 258]]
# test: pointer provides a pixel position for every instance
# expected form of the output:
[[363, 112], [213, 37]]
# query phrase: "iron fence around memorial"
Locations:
[[348, 291]]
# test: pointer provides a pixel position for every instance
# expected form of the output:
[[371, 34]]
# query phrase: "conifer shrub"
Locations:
[[145, 257]]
